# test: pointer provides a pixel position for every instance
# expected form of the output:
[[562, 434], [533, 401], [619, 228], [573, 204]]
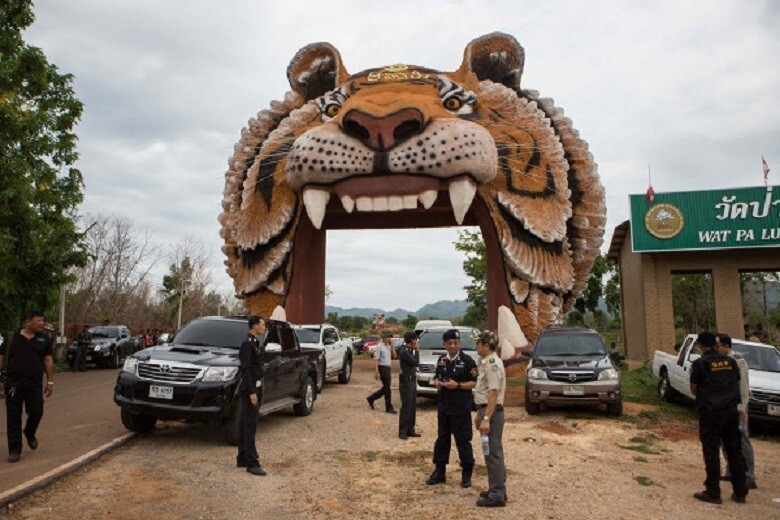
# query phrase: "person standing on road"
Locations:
[[383, 357], [409, 356], [82, 343], [250, 357], [724, 347], [489, 398], [28, 356], [455, 377], [715, 383]]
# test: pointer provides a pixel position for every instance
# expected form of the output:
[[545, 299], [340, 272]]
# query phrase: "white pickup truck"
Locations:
[[338, 351], [674, 370]]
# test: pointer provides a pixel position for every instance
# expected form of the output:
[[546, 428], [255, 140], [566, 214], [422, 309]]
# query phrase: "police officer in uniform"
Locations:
[[27, 358], [409, 356], [251, 369], [82, 344], [715, 383], [456, 374], [489, 398]]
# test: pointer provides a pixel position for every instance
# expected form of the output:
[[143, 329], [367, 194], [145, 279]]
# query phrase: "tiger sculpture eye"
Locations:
[[395, 146]]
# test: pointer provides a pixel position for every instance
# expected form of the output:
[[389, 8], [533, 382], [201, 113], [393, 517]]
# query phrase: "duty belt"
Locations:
[[499, 407]]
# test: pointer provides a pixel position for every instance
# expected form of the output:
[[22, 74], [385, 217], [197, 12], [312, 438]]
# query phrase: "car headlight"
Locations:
[[98, 347], [609, 374], [220, 373], [537, 373], [130, 366]]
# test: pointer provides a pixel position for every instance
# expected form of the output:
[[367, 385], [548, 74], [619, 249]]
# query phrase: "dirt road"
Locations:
[[345, 461]]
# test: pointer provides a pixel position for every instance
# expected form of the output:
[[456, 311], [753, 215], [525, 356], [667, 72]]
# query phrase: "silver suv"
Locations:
[[432, 347], [570, 365]]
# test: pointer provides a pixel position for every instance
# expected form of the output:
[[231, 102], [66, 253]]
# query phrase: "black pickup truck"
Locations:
[[194, 378]]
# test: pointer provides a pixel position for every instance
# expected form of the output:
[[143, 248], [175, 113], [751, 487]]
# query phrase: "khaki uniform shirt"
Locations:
[[491, 377], [744, 384]]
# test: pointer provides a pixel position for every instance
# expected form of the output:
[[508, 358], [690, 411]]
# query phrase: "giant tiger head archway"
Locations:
[[407, 146]]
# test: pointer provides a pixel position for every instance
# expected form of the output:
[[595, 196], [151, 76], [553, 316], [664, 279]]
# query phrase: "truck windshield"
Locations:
[[307, 335], [104, 332], [213, 333], [432, 340], [569, 345], [759, 358]]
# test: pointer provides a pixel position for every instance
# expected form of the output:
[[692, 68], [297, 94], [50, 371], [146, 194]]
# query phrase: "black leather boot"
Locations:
[[439, 476], [465, 478]]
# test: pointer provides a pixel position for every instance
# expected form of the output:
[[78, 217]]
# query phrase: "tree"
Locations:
[[40, 189], [693, 302], [475, 267], [409, 322], [186, 288], [589, 300], [612, 289]]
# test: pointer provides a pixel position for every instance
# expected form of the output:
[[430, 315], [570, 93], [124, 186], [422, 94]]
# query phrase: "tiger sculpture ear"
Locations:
[[315, 70], [497, 57]]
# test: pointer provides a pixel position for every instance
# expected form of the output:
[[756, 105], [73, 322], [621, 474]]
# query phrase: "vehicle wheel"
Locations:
[[114, 363], [231, 426], [137, 422], [615, 409], [665, 390], [320, 375], [346, 372], [306, 405], [531, 408]]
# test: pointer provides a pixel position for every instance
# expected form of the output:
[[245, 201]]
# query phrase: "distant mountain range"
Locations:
[[445, 309]]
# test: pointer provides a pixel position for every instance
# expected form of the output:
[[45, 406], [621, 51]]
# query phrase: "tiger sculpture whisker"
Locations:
[[384, 146]]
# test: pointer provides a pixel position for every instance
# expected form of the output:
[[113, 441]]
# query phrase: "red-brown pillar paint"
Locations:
[[306, 296]]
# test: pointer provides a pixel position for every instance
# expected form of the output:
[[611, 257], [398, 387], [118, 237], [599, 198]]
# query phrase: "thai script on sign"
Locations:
[[740, 210]]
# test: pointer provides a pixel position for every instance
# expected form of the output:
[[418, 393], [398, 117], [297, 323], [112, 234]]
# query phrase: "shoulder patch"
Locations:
[[473, 371]]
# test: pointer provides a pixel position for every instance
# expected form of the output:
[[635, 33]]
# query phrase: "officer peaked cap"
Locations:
[[451, 334]]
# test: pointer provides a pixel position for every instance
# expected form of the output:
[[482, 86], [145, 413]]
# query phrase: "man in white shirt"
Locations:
[[383, 359], [723, 343]]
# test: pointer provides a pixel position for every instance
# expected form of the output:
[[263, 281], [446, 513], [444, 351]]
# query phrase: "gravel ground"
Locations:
[[345, 461]]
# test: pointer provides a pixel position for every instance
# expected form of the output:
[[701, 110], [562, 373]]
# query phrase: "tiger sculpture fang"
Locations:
[[381, 148]]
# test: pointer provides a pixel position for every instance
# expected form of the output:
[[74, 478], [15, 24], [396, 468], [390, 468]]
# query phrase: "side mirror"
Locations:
[[677, 347], [273, 348], [328, 341]]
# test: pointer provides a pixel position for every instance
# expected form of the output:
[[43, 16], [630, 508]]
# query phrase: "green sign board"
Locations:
[[717, 219]]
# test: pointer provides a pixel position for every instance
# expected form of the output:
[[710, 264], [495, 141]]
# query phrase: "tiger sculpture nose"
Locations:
[[383, 133]]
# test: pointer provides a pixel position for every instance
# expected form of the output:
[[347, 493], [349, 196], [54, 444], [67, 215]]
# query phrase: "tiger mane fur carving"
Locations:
[[380, 149]]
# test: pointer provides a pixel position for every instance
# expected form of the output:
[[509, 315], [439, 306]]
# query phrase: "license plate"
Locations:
[[89, 358], [773, 409], [573, 390], [161, 392]]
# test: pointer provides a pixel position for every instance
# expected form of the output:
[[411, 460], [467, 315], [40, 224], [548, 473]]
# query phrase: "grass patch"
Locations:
[[642, 439], [369, 456], [641, 448], [515, 381], [641, 386], [640, 459], [409, 457], [644, 481]]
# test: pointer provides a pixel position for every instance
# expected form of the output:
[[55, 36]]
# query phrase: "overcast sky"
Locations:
[[693, 88]]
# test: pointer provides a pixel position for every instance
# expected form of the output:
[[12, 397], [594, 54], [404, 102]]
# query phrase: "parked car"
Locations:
[[432, 347], [427, 324], [673, 371], [337, 352], [570, 365], [195, 378], [110, 345], [363, 345]]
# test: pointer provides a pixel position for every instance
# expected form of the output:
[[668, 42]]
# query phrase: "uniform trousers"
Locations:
[[458, 426], [716, 427], [17, 397], [407, 387], [80, 359], [384, 377], [747, 453], [494, 461], [247, 452]]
